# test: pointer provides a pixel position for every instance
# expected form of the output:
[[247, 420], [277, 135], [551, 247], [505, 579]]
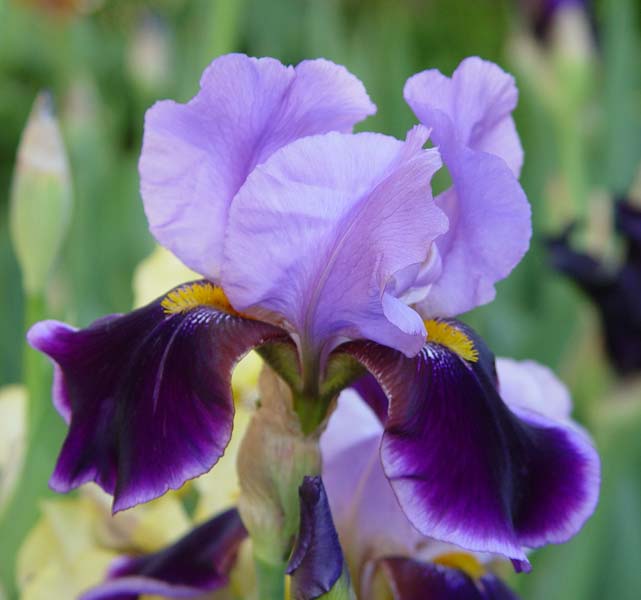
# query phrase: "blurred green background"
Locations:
[[579, 117]]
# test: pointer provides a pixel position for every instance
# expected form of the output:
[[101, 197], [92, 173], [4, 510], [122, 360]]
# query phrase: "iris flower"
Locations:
[[323, 248], [353, 521]]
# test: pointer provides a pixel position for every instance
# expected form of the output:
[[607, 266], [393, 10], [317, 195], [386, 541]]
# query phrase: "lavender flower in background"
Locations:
[[325, 247]]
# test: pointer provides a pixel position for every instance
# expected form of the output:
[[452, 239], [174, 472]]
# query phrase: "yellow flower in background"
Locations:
[[13, 416], [70, 548], [59, 558], [74, 541], [157, 273]]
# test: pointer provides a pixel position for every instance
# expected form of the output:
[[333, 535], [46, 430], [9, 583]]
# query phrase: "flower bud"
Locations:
[[316, 566], [41, 196]]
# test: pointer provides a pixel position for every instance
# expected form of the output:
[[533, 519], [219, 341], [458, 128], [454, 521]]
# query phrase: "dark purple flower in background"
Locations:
[[540, 14], [615, 291], [197, 563], [331, 244]]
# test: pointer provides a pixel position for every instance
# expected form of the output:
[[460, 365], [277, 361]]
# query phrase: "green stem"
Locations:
[[311, 411], [43, 439], [271, 579], [307, 403], [36, 370]]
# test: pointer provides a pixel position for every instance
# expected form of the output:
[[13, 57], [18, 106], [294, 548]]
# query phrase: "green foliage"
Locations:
[[582, 125]]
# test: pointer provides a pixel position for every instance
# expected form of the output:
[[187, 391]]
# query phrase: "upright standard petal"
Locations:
[[147, 395], [317, 234], [474, 106], [470, 117], [195, 156], [196, 564], [465, 468], [316, 564]]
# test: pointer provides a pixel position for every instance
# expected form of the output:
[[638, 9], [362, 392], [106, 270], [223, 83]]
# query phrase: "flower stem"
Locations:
[[308, 404], [44, 433], [271, 579]]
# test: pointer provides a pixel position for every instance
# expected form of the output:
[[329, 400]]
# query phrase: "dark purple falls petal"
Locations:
[[316, 563], [468, 470], [147, 395], [197, 563], [410, 579]]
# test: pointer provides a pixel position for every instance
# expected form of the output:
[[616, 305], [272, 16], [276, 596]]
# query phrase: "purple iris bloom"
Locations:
[[614, 291], [328, 244]]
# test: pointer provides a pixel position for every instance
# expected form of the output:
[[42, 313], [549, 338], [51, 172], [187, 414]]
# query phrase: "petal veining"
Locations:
[[318, 232], [147, 395]]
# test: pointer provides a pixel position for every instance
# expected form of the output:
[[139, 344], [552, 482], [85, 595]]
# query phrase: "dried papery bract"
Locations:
[[274, 457]]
